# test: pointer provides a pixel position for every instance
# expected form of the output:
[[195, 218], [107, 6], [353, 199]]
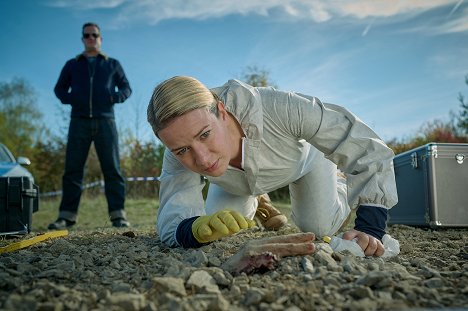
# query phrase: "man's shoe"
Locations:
[[268, 216], [120, 223], [61, 224]]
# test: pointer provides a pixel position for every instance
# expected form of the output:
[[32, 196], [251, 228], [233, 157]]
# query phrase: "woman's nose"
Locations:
[[202, 157]]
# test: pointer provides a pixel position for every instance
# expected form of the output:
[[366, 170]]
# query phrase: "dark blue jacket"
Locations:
[[91, 90]]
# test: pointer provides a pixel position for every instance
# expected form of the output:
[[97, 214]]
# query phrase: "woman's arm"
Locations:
[[348, 142], [180, 198]]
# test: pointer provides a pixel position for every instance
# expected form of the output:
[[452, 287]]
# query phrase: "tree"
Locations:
[[463, 114], [436, 131], [257, 77], [20, 120], [23, 132], [48, 163], [142, 160]]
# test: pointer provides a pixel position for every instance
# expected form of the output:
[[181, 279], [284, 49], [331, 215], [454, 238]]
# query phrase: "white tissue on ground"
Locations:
[[391, 246]]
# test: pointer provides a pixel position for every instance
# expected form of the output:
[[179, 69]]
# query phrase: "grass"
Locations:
[[92, 213]]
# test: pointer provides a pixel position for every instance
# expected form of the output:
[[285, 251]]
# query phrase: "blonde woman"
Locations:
[[248, 141]]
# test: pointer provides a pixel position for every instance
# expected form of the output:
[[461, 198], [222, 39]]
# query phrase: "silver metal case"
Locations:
[[432, 184]]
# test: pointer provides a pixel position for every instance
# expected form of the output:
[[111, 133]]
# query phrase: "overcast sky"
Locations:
[[396, 64]]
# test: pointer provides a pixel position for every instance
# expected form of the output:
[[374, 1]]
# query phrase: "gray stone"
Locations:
[[197, 258], [67, 265], [220, 277], [87, 274], [373, 266], [169, 284], [214, 261], [16, 302], [212, 302], [428, 272], [121, 287], [235, 291], [253, 296], [202, 280], [374, 278], [307, 265], [130, 302], [325, 259], [384, 295], [365, 304], [324, 247], [360, 292], [434, 283], [50, 306]]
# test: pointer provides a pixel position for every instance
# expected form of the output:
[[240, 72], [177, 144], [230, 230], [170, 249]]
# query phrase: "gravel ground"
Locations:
[[131, 270]]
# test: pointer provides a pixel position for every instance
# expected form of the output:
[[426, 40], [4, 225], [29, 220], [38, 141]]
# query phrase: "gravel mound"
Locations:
[[131, 270]]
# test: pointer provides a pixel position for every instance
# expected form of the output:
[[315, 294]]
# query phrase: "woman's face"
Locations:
[[201, 141]]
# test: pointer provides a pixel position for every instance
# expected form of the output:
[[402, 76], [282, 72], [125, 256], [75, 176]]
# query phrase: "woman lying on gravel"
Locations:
[[248, 141]]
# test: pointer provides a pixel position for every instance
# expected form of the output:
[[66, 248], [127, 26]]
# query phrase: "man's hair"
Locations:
[[90, 24]]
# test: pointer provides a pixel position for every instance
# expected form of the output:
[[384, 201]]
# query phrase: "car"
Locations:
[[11, 167]]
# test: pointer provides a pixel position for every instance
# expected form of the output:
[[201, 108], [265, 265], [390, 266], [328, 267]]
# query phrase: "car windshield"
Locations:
[[4, 155]]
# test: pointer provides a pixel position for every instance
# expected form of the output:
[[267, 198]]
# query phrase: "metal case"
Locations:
[[432, 184], [19, 199]]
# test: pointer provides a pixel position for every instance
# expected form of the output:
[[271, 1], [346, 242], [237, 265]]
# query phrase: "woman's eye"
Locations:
[[205, 134], [182, 151]]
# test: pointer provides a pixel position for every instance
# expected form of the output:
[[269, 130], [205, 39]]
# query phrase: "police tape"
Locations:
[[99, 183], [37, 239]]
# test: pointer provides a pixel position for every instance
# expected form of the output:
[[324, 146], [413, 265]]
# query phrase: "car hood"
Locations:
[[13, 170]]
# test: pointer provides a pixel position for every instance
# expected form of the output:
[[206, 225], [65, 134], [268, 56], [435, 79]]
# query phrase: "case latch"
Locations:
[[433, 151], [460, 158], [414, 160]]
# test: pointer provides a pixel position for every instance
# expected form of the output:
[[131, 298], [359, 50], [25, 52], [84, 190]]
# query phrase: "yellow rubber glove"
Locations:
[[220, 224]]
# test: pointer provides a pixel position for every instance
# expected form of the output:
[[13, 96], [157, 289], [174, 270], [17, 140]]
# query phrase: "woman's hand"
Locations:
[[220, 224], [370, 245]]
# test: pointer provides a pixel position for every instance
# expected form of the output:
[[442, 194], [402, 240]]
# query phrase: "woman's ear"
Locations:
[[222, 110]]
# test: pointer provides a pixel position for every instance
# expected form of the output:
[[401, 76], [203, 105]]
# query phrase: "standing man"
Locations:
[[92, 83]]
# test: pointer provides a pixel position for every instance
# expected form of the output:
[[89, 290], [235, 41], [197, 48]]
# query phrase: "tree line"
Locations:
[[453, 131], [23, 131]]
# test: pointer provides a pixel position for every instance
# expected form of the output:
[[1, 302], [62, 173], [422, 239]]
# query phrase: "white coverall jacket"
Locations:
[[290, 139]]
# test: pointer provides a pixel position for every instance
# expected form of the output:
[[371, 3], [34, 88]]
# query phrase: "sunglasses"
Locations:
[[88, 35]]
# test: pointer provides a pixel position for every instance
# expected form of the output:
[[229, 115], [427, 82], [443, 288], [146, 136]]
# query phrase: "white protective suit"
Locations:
[[290, 139]]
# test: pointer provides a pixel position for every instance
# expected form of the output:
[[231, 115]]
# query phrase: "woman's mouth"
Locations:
[[213, 167]]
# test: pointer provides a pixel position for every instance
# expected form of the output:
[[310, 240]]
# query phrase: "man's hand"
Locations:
[[263, 254], [220, 224], [370, 245]]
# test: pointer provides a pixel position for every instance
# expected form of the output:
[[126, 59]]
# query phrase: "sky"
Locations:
[[395, 64]]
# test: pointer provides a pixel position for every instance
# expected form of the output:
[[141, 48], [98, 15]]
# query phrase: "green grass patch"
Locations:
[[92, 213]]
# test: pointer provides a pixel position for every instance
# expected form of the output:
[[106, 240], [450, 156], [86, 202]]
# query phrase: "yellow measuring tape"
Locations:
[[23, 244]]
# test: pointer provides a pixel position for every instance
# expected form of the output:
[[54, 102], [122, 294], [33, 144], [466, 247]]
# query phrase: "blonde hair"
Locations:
[[177, 96]]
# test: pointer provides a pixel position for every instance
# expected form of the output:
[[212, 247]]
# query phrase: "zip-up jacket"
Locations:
[[92, 88]]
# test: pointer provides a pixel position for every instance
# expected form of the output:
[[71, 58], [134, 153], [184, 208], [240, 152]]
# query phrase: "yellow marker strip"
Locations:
[[326, 239], [37, 239]]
